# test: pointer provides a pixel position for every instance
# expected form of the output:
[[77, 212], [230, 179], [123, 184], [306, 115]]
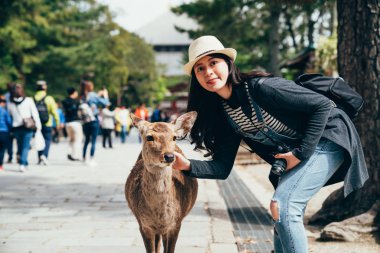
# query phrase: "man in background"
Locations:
[[47, 110]]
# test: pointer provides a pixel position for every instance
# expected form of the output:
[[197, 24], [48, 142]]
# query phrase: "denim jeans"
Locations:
[[123, 133], [296, 187], [90, 131], [47, 134], [23, 137], [4, 139]]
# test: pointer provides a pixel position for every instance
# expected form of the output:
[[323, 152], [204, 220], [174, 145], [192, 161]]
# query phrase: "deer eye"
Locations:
[[149, 138], [174, 138]]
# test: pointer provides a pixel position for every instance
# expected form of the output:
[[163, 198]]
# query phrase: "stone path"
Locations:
[[70, 207]]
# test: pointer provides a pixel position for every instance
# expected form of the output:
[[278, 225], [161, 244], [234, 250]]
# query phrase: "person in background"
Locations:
[[5, 126], [7, 97], [124, 120], [47, 109], [108, 125], [88, 110], [142, 113], [73, 125], [62, 121], [156, 115], [21, 108]]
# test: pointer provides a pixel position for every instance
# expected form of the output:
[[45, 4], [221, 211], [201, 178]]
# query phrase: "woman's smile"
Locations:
[[213, 81]]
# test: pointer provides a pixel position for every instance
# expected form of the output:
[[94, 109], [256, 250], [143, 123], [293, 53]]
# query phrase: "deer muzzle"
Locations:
[[169, 157]]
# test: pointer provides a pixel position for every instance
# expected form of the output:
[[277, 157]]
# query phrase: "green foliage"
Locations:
[[60, 41], [244, 25], [327, 54]]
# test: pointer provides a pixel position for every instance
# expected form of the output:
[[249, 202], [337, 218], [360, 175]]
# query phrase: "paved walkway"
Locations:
[[70, 207]]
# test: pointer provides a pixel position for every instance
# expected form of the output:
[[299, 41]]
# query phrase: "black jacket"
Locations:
[[301, 109]]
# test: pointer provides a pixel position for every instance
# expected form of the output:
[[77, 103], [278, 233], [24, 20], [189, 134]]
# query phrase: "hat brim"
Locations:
[[230, 52]]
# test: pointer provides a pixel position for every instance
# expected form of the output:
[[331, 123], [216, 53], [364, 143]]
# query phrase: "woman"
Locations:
[[278, 119], [22, 108], [73, 125], [89, 113], [108, 125]]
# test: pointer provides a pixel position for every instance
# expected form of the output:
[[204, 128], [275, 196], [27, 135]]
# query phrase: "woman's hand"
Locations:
[[181, 163], [291, 160]]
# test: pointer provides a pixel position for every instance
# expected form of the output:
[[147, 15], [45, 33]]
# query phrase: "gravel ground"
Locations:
[[255, 176]]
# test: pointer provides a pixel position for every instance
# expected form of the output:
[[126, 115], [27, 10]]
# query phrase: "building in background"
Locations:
[[170, 47], [168, 43]]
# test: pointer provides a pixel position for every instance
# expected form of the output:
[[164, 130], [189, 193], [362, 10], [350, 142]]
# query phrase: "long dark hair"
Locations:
[[16, 91], [210, 119]]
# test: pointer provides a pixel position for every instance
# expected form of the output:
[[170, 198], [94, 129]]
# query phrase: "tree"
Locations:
[[62, 40], [359, 65], [263, 32]]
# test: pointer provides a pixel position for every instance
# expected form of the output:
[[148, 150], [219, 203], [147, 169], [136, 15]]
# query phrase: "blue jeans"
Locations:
[[23, 137], [123, 133], [47, 134], [90, 131], [295, 189], [4, 140]]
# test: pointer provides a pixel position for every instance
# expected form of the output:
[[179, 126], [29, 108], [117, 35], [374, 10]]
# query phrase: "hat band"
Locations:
[[205, 52]]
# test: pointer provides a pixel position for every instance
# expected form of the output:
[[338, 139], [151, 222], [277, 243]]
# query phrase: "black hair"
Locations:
[[70, 90], [211, 120], [17, 90]]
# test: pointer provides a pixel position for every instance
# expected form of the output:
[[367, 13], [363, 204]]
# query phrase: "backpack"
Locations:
[[335, 89], [42, 110], [85, 113]]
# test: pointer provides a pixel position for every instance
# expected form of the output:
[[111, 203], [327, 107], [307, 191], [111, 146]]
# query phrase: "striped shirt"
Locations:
[[252, 124]]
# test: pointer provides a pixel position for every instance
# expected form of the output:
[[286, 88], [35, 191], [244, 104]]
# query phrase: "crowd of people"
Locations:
[[80, 118]]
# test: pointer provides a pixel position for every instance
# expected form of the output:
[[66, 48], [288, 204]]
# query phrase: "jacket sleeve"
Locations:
[[52, 109], [8, 119], [35, 114], [221, 164], [287, 96], [100, 101], [108, 113]]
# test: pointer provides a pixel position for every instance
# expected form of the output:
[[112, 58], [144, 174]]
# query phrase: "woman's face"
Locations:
[[212, 73], [90, 87]]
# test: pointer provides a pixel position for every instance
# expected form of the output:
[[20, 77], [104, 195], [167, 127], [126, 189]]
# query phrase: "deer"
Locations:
[[159, 196]]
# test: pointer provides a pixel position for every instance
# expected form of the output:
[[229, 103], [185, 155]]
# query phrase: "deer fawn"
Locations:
[[159, 196]]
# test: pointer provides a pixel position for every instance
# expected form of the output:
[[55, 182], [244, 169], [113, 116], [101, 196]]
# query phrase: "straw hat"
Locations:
[[203, 46]]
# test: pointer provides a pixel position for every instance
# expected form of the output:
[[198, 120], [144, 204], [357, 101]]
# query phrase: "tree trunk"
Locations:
[[359, 65], [288, 22], [274, 40]]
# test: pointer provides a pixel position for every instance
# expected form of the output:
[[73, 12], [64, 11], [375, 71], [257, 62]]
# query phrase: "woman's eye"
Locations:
[[149, 138], [213, 63], [199, 69], [174, 138]]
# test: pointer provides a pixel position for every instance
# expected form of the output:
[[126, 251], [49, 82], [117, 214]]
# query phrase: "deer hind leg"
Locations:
[[149, 239], [157, 243], [170, 239]]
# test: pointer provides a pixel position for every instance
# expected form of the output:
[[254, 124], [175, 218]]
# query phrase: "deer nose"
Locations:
[[169, 157]]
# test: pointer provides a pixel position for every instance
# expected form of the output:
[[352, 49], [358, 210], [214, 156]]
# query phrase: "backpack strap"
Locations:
[[42, 99]]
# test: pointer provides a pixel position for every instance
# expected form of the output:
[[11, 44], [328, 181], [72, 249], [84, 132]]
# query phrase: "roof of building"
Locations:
[[161, 31]]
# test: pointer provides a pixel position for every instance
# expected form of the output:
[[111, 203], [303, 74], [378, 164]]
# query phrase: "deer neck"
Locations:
[[159, 181]]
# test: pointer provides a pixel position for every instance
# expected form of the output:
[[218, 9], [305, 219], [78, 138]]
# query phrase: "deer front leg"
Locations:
[[157, 243], [149, 239], [170, 239]]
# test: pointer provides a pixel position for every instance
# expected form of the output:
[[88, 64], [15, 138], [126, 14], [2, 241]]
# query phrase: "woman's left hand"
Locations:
[[291, 160]]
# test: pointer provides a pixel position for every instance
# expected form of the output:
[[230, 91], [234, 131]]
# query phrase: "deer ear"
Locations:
[[184, 123], [135, 120]]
